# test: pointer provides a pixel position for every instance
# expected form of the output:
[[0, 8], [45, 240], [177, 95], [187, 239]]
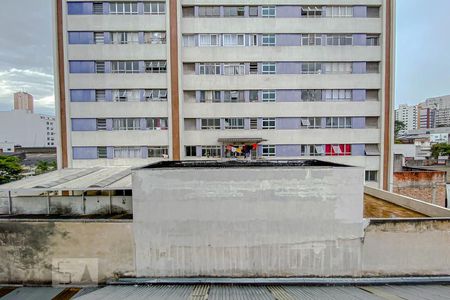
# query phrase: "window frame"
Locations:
[[268, 151]]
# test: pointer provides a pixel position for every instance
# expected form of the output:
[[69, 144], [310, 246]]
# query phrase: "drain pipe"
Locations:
[[9, 203]]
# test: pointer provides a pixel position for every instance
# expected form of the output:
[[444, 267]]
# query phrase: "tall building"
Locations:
[[440, 110], [22, 128], [427, 117], [408, 115], [140, 81], [23, 101]]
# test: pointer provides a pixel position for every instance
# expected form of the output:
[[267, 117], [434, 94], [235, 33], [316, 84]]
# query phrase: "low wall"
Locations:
[[429, 186], [68, 205], [29, 249], [389, 248]]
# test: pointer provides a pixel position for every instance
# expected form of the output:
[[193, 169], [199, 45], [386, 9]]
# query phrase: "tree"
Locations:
[[44, 167], [398, 126], [10, 169], [441, 149]]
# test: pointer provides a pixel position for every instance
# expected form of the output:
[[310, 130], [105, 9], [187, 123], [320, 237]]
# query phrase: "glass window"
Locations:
[[207, 40], [155, 95], [209, 69], [126, 124], [339, 11], [125, 66], [268, 11], [210, 96], [234, 96], [234, 69], [268, 123], [311, 39], [154, 8], [158, 151], [311, 12], [268, 40], [210, 124], [254, 96], [371, 176], [191, 151], [253, 11], [126, 95], [339, 122], [269, 96], [268, 150], [234, 40], [156, 124], [123, 8], [311, 68], [127, 152], [211, 151], [311, 95], [156, 66], [155, 37], [233, 11], [124, 38], [268, 68], [234, 123], [209, 11], [189, 40]]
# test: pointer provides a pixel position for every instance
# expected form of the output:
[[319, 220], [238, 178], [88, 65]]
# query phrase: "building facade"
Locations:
[[22, 128], [24, 101], [408, 115], [140, 81]]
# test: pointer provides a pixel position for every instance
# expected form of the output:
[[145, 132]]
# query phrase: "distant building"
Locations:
[[23, 101], [6, 147], [435, 112], [427, 118], [408, 115], [22, 128]]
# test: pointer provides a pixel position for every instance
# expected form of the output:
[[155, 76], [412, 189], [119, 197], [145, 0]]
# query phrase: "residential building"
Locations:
[[407, 114], [141, 81], [22, 128], [6, 147], [23, 101], [436, 112], [427, 118]]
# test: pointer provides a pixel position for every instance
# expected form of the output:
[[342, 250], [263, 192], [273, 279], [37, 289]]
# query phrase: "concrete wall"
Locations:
[[253, 222], [429, 186], [68, 205], [28, 249]]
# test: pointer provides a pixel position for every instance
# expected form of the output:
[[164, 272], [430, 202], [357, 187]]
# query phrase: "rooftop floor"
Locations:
[[243, 292], [378, 208]]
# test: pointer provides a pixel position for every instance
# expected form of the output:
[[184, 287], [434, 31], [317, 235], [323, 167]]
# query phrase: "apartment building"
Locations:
[[408, 115], [23, 101], [439, 109], [141, 81]]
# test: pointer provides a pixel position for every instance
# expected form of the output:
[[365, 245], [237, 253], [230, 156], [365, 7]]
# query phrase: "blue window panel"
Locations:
[[84, 152], [84, 124], [77, 66], [82, 95], [79, 8], [77, 37]]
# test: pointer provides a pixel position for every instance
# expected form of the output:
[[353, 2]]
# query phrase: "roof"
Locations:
[[243, 292], [96, 178]]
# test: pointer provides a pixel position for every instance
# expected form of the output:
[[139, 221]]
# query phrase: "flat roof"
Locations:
[[83, 179], [240, 164]]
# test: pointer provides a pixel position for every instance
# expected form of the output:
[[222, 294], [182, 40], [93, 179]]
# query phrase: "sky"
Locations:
[[26, 51]]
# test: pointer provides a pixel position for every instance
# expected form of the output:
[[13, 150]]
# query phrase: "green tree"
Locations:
[[10, 169], [43, 166], [398, 126], [441, 149]]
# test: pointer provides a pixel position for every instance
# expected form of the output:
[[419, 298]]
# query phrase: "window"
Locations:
[[209, 11], [127, 124], [207, 40], [312, 150], [124, 38], [372, 150], [100, 67], [373, 12], [253, 123], [268, 150], [156, 124], [233, 40], [156, 66], [101, 152], [209, 96], [311, 39], [339, 40], [97, 8], [188, 11], [311, 12], [338, 150], [268, 11], [211, 151], [209, 69], [123, 8], [339, 11], [154, 8], [156, 37], [311, 123], [234, 123], [253, 68], [234, 96], [125, 67], [234, 69], [311, 68], [269, 68], [233, 11], [253, 40], [338, 68], [191, 151], [372, 67], [189, 40], [254, 96], [311, 95], [158, 151], [210, 124], [268, 40], [100, 95], [101, 124], [337, 95], [99, 37], [339, 122], [126, 95], [373, 40], [253, 11], [371, 176], [269, 96], [127, 152], [269, 123], [155, 95]]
